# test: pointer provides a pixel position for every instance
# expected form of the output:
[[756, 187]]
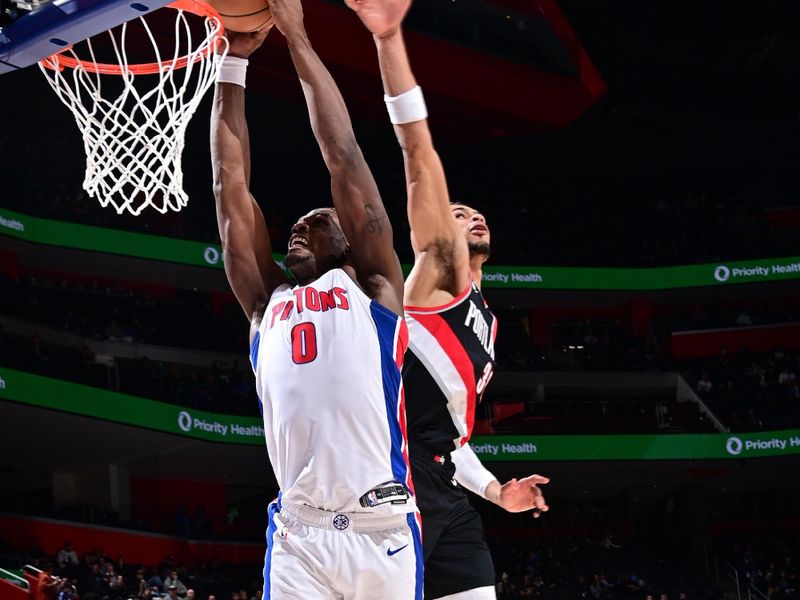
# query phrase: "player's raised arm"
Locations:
[[247, 252], [355, 195], [438, 241]]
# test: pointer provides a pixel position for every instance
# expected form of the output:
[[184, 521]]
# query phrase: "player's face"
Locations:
[[317, 245], [475, 228]]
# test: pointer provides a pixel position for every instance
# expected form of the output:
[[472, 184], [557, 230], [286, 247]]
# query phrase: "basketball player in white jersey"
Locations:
[[451, 344], [326, 352]]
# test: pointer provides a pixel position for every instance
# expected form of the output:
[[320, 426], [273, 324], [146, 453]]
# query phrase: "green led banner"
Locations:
[[677, 446], [140, 245], [55, 394], [655, 278], [76, 399], [110, 241]]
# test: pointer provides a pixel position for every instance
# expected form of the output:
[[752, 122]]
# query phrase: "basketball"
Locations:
[[243, 15]]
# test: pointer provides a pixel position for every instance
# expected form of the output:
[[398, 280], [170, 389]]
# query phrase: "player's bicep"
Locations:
[[246, 249], [364, 221]]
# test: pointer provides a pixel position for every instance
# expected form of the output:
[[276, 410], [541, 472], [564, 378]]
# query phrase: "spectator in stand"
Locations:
[[607, 542], [66, 591], [155, 582], [505, 589], [172, 593], [95, 585], [600, 587], [141, 586], [787, 377], [67, 559], [117, 589], [123, 569], [704, 386], [48, 585], [190, 594], [173, 581]]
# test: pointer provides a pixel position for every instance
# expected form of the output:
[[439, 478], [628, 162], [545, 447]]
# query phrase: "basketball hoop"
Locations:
[[134, 138]]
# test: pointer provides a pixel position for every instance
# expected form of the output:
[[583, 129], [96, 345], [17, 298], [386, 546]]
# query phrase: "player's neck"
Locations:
[[476, 269]]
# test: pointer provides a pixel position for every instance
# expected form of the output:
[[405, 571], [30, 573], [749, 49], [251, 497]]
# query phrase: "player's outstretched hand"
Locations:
[[288, 16], [381, 17], [244, 44], [519, 495]]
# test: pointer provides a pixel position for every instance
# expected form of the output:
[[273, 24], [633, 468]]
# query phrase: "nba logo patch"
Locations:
[[341, 522], [372, 498]]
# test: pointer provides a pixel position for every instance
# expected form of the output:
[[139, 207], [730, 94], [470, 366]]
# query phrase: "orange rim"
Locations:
[[60, 61]]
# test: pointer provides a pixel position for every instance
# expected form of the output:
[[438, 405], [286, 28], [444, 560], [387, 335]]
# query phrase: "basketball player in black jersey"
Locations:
[[451, 340]]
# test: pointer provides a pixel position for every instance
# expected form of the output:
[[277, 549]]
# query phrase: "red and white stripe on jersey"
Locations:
[[386, 321], [400, 342], [400, 345], [444, 357]]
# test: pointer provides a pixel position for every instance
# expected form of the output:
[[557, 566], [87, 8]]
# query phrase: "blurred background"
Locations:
[[637, 165]]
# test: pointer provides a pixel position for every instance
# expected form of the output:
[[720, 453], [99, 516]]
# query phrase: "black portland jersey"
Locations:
[[448, 364]]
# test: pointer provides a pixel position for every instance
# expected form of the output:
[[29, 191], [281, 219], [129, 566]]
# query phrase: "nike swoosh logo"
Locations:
[[390, 552]]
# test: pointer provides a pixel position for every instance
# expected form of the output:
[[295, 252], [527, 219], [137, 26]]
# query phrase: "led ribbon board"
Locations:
[[81, 400], [161, 248]]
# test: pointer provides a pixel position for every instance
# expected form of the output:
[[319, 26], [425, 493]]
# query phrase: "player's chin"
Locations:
[[479, 246], [297, 257], [298, 253]]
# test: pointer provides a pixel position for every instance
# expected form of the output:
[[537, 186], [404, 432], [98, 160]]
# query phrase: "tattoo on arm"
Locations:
[[376, 221]]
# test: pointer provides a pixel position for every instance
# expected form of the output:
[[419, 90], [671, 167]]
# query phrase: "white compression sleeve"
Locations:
[[470, 472]]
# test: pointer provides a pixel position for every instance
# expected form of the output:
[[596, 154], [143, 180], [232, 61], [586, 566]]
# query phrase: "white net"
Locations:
[[134, 138]]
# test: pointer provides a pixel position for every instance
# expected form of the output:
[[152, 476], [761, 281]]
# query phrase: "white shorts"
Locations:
[[320, 555]]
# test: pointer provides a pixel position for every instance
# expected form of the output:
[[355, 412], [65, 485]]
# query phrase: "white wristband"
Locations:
[[407, 107], [233, 70]]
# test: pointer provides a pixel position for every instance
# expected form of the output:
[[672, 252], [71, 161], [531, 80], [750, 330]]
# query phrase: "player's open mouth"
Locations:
[[479, 229], [298, 241]]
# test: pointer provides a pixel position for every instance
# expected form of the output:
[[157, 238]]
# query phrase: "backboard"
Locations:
[[32, 35]]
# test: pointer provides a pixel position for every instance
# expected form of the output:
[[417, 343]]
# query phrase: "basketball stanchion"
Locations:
[[134, 138]]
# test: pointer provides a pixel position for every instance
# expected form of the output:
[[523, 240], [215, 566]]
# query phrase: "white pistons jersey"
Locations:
[[327, 361]]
